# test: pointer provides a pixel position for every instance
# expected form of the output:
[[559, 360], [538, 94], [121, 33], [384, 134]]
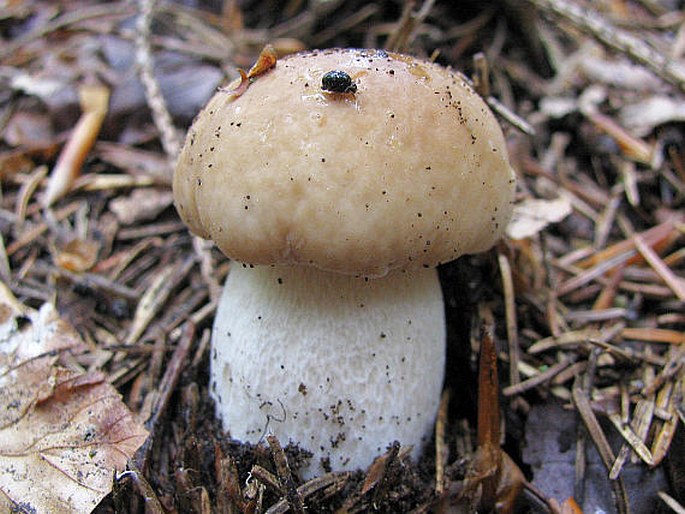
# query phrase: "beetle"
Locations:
[[337, 81]]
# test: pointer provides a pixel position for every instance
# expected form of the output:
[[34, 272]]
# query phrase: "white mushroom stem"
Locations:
[[343, 366]]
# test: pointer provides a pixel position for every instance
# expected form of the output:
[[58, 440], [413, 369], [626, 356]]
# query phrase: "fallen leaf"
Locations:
[[141, 205], [77, 255], [532, 215], [618, 73], [266, 61], [557, 107], [550, 451], [29, 129], [644, 116], [241, 87], [42, 87], [63, 433], [570, 506]]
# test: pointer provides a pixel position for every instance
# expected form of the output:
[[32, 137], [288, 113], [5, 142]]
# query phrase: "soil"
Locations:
[[593, 293]]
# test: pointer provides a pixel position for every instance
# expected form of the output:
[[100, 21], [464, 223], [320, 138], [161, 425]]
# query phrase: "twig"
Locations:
[[655, 335], [633, 440], [584, 385], [143, 487], [36, 231], [504, 112], [203, 250], [309, 488], [676, 284], [641, 423], [155, 99], [401, 38], [481, 74], [71, 17], [267, 478], [671, 502], [538, 379], [593, 24], [285, 476], [574, 338], [89, 280], [668, 372], [347, 24], [160, 114], [441, 447], [155, 296], [510, 117], [228, 493], [666, 399], [26, 192], [378, 474], [174, 368], [165, 391], [489, 417], [591, 274], [510, 312], [5, 269], [582, 403], [656, 236], [156, 229]]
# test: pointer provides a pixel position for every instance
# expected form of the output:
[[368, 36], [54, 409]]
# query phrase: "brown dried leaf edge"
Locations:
[[63, 433]]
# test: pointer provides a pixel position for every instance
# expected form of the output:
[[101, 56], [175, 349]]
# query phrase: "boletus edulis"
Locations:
[[337, 182]]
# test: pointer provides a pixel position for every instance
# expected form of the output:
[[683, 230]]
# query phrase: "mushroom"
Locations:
[[336, 182]]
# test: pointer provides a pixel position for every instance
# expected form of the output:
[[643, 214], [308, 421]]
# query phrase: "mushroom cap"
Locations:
[[409, 169]]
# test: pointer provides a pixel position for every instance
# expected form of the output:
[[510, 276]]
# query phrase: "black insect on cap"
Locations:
[[337, 81]]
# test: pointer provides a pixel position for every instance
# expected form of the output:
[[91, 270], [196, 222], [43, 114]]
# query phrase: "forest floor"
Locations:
[[584, 298]]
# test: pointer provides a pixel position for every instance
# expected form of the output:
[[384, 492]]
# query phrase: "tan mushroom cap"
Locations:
[[410, 170]]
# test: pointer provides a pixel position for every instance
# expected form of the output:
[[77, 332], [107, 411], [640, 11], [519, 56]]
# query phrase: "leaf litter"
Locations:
[[584, 299], [64, 433]]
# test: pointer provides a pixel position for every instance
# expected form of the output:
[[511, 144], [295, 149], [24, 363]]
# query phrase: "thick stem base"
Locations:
[[341, 365]]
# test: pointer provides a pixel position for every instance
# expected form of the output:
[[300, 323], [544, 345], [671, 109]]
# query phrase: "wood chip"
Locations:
[[94, 101]]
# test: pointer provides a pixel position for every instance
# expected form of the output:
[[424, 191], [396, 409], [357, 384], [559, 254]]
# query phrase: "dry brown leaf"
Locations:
[[29, 129], [644, 116], [63, 433], [618, 73], [570, 506], [532, 215], [141, 205], [77, 255]]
